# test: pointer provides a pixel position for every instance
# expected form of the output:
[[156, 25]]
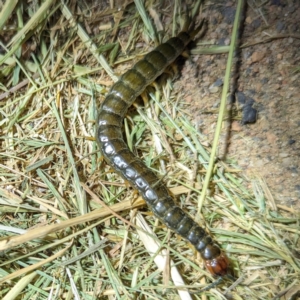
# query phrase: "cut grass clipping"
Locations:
[[70, 227]]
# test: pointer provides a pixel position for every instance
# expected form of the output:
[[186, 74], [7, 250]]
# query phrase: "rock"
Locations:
[[280, 26], [249, 114], [236, 126], [257, 56], [229, 14], [255, 24], [213, 89], [218, 82], [291, 142], [241, 97], [276, 2]]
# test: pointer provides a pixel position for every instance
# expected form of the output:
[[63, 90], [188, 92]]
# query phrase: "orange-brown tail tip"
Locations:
[[218, 266]]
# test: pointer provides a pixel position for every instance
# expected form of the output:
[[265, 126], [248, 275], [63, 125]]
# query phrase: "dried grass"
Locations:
[[66, 231]]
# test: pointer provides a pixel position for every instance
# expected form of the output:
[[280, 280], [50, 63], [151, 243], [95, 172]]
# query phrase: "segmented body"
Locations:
[[115, 151]]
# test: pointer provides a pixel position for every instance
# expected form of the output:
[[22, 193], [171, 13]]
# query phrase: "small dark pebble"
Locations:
[[297, 187], [256, 24], [249, 113], [276, 2], [230, 99], [293, 170], [229, 14], [208, 63], [221, 41], [280, 26], [218, 82], [241, 97], [291, 142], [214, 21], [264, 80]]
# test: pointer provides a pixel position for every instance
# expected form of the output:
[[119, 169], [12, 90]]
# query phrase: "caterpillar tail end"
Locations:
[[218, 266]]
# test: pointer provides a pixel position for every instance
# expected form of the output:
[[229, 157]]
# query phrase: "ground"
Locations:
[[268, 74], [55, 181]]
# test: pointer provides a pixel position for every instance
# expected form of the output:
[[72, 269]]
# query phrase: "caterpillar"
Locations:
[[116, 153]]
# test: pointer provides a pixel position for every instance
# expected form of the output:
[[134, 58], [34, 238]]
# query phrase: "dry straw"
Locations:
[[70, 228]]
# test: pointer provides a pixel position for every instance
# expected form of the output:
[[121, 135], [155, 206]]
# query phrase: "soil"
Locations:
[[267, 87], [261, 134]]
